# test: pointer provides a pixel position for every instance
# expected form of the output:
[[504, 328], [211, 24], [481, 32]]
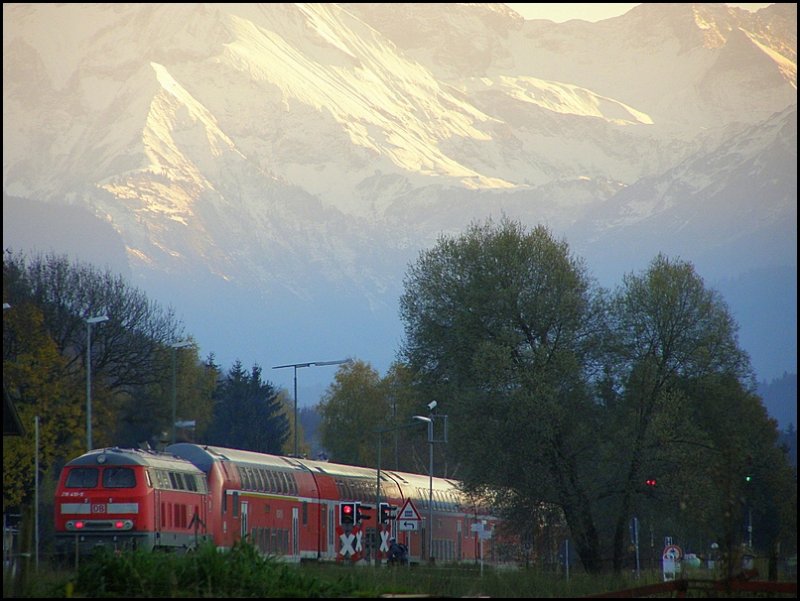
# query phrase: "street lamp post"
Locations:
[[429, 420], [175, 346], [309, 364], [380, 432], [89, 322]]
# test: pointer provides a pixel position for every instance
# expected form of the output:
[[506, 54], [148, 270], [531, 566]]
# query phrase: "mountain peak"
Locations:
[[289, 154]]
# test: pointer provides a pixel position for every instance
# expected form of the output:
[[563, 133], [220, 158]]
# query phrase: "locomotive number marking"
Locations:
[[98, 507]]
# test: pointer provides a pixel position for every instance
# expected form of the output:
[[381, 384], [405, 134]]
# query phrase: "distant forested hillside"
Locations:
[[780, 399]]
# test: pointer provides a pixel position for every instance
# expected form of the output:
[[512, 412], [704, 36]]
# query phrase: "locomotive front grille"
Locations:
[[105, 525]]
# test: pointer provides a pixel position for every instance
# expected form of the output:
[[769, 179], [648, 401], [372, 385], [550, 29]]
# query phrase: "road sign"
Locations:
[[350, 543], [673, 552], [671, 562], [408, 525], [408, 512]]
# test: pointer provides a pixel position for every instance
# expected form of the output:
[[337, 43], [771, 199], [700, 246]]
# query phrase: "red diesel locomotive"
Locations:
[[127, 499], [285, 506]]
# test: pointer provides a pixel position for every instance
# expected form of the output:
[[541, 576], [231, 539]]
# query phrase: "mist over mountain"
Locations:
[[270, 170]]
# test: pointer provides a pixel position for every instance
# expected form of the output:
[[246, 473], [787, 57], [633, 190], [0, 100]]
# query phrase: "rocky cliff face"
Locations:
[[290, 160]]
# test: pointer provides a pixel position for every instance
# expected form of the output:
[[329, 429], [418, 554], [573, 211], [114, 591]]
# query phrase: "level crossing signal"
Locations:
[[363, 512], [347, 513], [386, 513]]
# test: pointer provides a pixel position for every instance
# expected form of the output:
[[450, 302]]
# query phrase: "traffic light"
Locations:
[[386, 513], [363, 512], [748, 469], [347, 513]]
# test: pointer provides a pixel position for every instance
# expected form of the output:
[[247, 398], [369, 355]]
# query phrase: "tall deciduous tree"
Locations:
[[360, 406], [126, 350], [500, 322], [37, 381], [352, 408], [669, 329]]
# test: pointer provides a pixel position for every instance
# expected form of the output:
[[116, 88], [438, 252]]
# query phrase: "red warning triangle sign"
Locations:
[[408, 511]]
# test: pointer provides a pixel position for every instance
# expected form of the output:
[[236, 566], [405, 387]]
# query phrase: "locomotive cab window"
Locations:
[[119, 477], [82, 477]]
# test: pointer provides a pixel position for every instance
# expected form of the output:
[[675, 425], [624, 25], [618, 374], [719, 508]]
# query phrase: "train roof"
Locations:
[[119, 456], [204, 455]]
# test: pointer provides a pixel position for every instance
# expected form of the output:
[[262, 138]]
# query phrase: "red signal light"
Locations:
[[347, 514], [79, 525], [650, 482]]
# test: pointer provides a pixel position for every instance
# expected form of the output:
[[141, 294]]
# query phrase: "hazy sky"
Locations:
[[588, 12]]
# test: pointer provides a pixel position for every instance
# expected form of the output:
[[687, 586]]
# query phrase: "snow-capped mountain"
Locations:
[[271, 169]]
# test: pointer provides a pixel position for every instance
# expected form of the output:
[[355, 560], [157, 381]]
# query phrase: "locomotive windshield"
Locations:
[[82, 477], [119, 477], [113, 477]]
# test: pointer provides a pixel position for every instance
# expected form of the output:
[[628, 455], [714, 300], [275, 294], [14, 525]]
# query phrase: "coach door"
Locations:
[[244, 507], [331, 521], [156, 515], [296, 533]]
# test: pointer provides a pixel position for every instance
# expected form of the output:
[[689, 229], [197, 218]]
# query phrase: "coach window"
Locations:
[[82, 477], [235, 503], [163, 480], [119, 477]]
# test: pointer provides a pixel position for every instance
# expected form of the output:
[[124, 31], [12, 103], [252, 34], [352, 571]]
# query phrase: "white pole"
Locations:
[[430, 493], [88, 385], [480, 536], [89, 322]]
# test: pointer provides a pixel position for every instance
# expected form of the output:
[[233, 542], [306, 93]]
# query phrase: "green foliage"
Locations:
[[352, 404], [128, 358], [248, 413], [667, 330], [360, 406], [499, 329], [207, 572], [36, 378], [566, 395], [242, 572]]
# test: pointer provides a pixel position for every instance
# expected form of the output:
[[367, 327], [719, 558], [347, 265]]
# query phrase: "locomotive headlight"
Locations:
[[123, 524]]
